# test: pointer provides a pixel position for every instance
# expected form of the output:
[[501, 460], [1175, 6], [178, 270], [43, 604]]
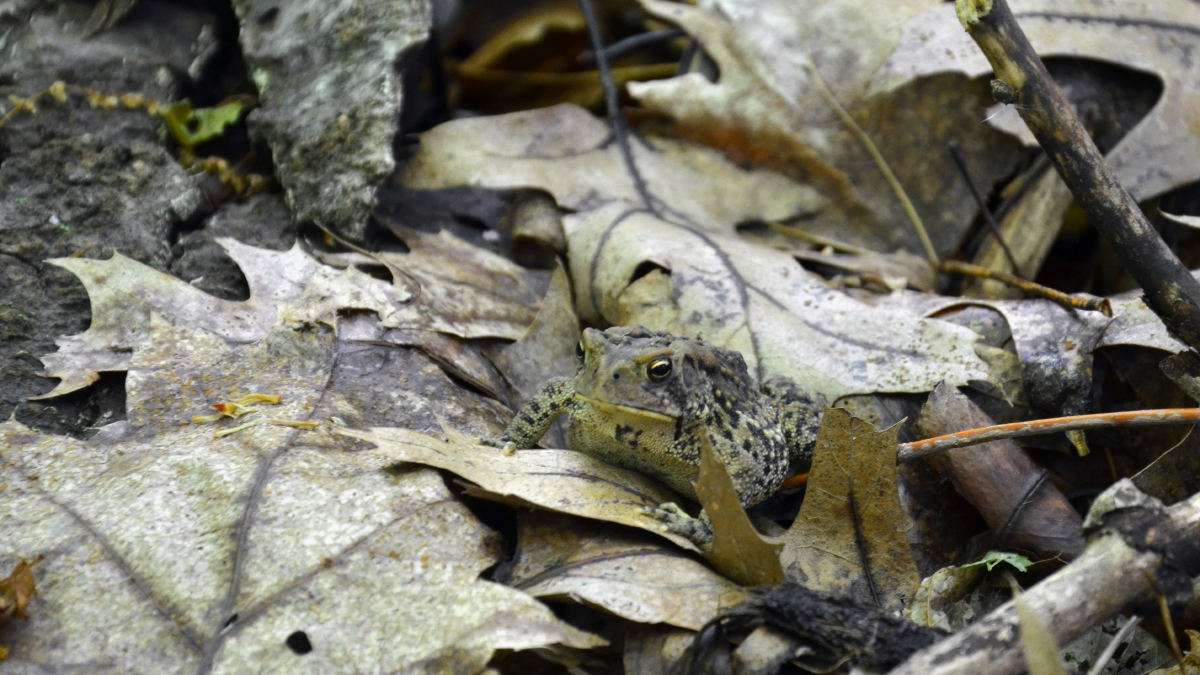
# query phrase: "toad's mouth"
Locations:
[[640, 412]]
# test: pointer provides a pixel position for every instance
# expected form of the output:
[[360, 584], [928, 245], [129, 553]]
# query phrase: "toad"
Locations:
[[641, 400]]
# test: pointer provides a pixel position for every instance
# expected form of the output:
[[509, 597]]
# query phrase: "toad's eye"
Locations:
[[579, 350], [659, 370]]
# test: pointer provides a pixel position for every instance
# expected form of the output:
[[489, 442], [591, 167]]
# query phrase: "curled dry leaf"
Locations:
[[16, 591], [628, 573], [850, 538], [1021, 505], [1055, 346], [560, 480], [210, 552]]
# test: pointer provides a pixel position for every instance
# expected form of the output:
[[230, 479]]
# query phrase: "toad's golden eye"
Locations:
[[579, 350], [659, 369]]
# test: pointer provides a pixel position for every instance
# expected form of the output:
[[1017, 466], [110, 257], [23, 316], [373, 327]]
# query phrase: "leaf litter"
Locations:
[[286, 529]]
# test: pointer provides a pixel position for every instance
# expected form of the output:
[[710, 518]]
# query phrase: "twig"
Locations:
[[1121, 636], [1101, 305], [612, 102], [1106, 577], [1136, 418], [877, 157], [633, 44], [802, 235], [1021, 78], [956, 152]]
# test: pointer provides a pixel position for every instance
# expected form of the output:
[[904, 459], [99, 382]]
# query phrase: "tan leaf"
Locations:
[[474, 296], [738, 551], [628, 573], [850, 537], [758, 302], [559, 480], [568, 152], [166, 547]]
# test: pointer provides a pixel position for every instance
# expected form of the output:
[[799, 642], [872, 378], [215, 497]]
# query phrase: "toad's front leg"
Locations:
[[534, 418], [698, 530]]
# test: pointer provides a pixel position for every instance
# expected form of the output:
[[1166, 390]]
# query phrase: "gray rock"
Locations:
[[328, 81]]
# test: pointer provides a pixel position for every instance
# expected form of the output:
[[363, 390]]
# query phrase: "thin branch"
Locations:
[[612, 102], [1136, 418], [1021, 79], [803, 235], [633, 44], [877, 157], [956, 152], [1098, 584], [1101, 305]]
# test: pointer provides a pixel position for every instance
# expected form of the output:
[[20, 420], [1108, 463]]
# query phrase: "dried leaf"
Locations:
[[1155, 156], [16, 592], [627, 573], [759, 302], [941, 593], [1191, 659], [560, 480], [738, 551], [850, 537], [124, 293], [765, 110], [106, 14], [569, 153], [218, 550]]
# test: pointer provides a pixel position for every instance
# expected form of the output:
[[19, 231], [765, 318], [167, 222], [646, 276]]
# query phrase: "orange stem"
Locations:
[[1134, 418]]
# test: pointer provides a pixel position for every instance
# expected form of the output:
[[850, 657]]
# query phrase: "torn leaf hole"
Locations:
[[646, 268], [298, 643]]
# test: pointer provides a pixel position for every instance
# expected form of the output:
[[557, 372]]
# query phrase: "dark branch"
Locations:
[[1021, 78]]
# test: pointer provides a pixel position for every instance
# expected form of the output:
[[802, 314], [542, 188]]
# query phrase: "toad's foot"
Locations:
[[507, 447], [677, 521]]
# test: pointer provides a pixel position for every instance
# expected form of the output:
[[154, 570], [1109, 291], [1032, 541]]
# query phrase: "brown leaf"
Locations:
[[16, 592], [738, 551], [850, 537], [1021, 506], [463, 291]]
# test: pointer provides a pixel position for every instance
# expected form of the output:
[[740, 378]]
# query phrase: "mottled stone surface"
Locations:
[[328, 76]]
